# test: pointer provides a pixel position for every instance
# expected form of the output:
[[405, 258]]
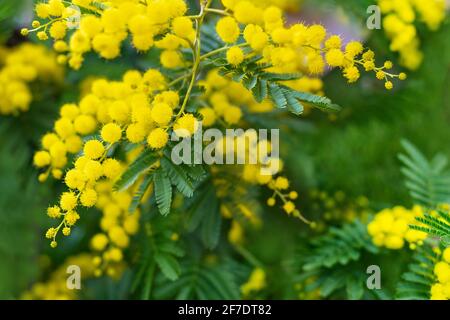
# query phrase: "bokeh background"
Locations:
[[353, 152]]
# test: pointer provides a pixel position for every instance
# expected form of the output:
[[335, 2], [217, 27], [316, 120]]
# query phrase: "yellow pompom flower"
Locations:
[[68, 201], [54, 212], [136, 132], [93, 149], [111, 133], [235, 56], [186, 126], [111, 168], [335, 58], [161, 113], [182, 27], [171, 59], [232, 114], [88, 198], [58, 30], [208, 116], [228, 29], [118, 236], [281, 183], [289, 207], [353, 48], [42, 159], [75, 179], [99, 242], [158, 138]]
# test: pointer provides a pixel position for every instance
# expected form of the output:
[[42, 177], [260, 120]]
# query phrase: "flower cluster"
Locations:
[[256, 282], [117, 225], [103, 27], [123, 109], [296, 48], [144, 109], [120, 110], [55, 287], [337, 206], [390, 228], [398, 23], [20, 66], [441, 289]]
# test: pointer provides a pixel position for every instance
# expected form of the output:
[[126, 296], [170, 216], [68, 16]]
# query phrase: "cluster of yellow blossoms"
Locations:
[[123, 111], [256, 282], [335, 207], [144, 108], [117, 224], [120, 110], [398, 23], [104, 25], [108, 23], [441, 289], [296, 48], [20, 66], [390, 228], [55, 288]]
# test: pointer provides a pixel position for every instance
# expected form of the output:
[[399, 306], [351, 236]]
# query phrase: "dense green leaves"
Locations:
[[139, 194], [429, 185], [163, 191], [204, 215], [264, 85], [435, 225], [140, 165], [428, 182], [333, 260], [339, 246], [178, 176], [168, 265], [417, 281], [199, 281]]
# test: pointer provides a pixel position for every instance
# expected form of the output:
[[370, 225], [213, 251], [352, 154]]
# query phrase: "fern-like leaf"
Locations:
[[417, 281], [428, 182]]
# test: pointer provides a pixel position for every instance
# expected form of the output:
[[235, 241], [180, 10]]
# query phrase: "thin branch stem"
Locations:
[[214, 52]]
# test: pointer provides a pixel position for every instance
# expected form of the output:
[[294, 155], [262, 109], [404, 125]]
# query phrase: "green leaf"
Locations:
[[211, 224], [139, 194], [417, 280], [322, 103], [277, 95], [280, 76], [260, 91], [294, 105], [428, 182], [178, 176], [163, 192], [250, 82], [140, 165], [168, 265]]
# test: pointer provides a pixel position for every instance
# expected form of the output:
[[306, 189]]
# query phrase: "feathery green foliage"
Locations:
[[417, 281]]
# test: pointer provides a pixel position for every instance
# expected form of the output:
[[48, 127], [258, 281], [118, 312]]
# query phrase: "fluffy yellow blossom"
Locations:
[[256, 282], [235, 55], [228, 29], [390, 228]]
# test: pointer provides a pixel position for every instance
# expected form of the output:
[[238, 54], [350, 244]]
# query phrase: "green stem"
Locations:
[[248, 256], [196, 60], [214, 52]]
